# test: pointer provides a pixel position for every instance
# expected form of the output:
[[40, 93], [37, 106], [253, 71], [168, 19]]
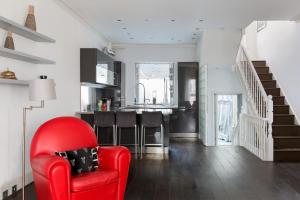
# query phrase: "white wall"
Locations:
[[249, 40], [70, 33], [279, 45], [132, 54], [218, 51]]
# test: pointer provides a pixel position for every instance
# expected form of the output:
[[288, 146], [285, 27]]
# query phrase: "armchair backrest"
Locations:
[[61, 134]]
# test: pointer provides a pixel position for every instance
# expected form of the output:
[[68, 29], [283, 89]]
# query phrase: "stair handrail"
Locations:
[[243, 58], [254, 72], [259, 116]]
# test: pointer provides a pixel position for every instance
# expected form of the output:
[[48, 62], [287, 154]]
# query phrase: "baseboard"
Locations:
[[183, 135], [18, 181]]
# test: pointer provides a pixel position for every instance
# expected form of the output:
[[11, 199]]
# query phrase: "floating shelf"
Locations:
[[23, 56], [13, 82], [16, 28]]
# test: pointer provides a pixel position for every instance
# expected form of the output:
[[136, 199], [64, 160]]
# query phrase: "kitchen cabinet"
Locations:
[[99, 68]]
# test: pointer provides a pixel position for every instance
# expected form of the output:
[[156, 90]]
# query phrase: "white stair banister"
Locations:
[[255, 132]]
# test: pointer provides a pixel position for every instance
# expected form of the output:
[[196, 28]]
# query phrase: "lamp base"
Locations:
[[25, 109]]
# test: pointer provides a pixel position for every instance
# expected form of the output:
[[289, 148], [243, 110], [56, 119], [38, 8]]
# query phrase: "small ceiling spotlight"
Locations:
[[201, 20], [119, 20], [173, 20]]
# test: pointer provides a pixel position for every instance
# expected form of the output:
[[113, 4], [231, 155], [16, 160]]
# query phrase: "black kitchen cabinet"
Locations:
[[99, 68]]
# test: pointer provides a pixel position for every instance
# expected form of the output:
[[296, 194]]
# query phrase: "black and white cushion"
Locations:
[[81, 160]]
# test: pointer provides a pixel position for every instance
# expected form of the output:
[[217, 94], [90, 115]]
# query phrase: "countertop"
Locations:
[[165, 109]]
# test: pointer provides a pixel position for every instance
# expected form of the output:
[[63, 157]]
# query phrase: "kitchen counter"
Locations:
[[166, 110], [88, 116]]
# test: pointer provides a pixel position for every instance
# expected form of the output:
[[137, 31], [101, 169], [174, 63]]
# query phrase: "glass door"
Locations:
[[227, 109]]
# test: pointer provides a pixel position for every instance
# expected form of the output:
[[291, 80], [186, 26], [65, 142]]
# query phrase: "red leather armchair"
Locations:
[[52, 174]]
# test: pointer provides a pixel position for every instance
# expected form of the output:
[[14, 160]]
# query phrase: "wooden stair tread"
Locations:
[[288, 149], [286, 133], [287, 125], [285, 137]]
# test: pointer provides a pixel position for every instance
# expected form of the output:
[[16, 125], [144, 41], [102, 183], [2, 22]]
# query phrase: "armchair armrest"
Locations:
[[117, 158], [46, 164], [114, 157], [52, 175]]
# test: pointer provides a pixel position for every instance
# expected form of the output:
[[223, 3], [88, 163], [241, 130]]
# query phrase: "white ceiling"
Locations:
[[176, 21]]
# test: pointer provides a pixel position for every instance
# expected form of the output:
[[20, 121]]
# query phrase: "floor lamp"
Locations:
[[42, 89]]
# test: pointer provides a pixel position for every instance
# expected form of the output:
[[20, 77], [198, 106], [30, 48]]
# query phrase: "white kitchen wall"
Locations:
[[218, 50], [71, 33], [132, 54], [279, 45]]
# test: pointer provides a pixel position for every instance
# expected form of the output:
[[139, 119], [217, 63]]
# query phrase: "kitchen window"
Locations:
[[157, 79]]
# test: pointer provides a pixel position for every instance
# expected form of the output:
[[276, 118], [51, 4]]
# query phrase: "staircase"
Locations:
[[286, 134]]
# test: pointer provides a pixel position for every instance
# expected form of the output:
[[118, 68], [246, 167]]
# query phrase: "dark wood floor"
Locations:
[[197, 172]]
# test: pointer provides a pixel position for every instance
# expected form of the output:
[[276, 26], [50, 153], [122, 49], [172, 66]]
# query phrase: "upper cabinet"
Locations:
[[99, 68]]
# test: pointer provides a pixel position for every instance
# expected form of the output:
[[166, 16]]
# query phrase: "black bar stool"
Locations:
[[105, 120], [127, 120], [152, 120]]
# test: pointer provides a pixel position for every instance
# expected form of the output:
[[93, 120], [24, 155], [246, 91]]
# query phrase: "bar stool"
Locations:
[[151, 120], [105, 120], [127, 120]]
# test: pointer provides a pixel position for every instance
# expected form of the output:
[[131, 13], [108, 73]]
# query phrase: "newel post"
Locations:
[[270, 143]]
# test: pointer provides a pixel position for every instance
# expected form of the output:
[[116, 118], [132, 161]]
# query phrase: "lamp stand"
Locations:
[[25, 109]]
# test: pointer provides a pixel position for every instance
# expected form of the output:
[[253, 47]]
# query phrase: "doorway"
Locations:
[[227, 110]]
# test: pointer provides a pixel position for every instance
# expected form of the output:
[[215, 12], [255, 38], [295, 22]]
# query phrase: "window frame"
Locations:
[[172, 67]]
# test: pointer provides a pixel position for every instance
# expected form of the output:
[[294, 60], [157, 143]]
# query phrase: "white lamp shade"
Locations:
[[42, 89]]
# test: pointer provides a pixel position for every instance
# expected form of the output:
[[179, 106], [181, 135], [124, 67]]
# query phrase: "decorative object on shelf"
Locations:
[[9, 42], [8, 75], [108, 50], [30, 20], [21, 30], [39, 90]]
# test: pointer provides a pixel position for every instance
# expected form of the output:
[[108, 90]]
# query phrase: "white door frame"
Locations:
[[215, 111]]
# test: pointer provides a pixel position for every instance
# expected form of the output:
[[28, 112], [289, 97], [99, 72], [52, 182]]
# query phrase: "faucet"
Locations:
[[144, 91]]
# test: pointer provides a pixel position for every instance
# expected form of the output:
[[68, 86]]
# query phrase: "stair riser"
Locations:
[[265, 77], [286, 131], [284, 120], [287, 156], [273, 92], [269, 84], [262, 70], [281, 110], [259, 63], [280, 143], [278, 100]]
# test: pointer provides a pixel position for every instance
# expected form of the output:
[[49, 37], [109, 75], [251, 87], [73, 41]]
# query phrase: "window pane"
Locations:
[[157, 79]]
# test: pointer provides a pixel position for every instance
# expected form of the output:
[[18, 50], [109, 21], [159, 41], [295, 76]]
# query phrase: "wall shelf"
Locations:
[[21, 30], [23, 56], [14, 82]]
